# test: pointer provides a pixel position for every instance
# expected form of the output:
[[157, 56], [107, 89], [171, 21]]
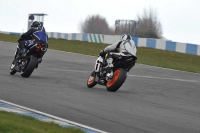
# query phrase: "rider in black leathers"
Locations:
[[36, 34]]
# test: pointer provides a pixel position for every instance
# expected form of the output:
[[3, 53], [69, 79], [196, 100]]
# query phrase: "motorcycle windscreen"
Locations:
[[130, 48]]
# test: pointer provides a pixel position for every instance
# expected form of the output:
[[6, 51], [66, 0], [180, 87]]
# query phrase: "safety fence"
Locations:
[[97, 38], [140, 42], [168, 45], [158, 44]]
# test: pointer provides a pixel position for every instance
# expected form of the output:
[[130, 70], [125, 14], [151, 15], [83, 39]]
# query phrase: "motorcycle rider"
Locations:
[[124, 46], [36, 34]]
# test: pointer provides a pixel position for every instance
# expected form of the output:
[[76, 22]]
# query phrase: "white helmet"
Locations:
[[126, 37]]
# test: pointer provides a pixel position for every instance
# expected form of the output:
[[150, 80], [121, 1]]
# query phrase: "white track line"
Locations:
[[151, 77], [67, 70], [54, 117], [139, 76]]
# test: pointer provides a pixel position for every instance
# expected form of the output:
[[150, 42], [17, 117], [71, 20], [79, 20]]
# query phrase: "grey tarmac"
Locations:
[[152, 99]]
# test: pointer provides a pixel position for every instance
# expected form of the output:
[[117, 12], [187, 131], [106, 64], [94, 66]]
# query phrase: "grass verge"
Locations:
[[15, 123], [149, 56]]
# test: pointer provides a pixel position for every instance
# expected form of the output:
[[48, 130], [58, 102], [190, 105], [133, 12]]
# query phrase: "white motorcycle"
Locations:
[[114, 77]]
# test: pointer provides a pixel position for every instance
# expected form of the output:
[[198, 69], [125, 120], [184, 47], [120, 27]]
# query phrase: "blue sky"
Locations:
[[179, 18]]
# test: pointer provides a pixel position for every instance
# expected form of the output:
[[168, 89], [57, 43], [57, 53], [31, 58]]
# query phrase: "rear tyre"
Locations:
[[117, 81], [30, 66], [91, 82]]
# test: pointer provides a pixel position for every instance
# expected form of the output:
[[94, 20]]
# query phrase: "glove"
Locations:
[[102, 53]]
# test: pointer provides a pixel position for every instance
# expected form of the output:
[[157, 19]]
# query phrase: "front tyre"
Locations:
[[116, 82], [91, 82], [32, 62]]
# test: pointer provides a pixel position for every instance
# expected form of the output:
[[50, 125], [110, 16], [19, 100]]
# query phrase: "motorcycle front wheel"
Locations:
[[91, 82]]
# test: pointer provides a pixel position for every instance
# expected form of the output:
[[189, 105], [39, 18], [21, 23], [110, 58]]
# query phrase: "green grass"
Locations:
[[76, 46], [9, 38], [153, 57], [15, 123], [168, 59]]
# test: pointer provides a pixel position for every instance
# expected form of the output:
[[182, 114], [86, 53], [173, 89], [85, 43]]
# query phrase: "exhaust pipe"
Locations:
[[44, 49], [37, 46]]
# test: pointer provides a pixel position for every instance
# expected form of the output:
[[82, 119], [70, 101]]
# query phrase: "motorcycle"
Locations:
[[27, 60], [114, 77]]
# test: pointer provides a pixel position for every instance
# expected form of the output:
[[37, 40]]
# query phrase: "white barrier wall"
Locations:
[[110, 39], [161, 44], [79, 37], [4, 32], [198, 51], [71, 36], [96, 38], [180, 47], [140, 42]]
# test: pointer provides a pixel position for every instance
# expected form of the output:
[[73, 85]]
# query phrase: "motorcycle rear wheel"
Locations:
[[30, 66], [116, 82]]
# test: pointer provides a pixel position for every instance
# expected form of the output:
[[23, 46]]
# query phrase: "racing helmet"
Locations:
[[35, 24], [126, 37]]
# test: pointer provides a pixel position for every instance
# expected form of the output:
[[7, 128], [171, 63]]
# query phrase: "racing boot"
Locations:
[[20, 49], [110, 62], [110, 74], [39, 60]]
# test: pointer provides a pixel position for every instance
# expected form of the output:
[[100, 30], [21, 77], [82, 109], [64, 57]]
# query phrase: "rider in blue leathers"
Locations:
[[36, 34]]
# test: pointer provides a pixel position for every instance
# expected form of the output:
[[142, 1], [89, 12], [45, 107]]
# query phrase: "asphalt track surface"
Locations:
[[152, 100]]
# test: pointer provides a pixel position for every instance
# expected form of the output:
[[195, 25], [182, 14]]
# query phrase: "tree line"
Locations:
[[147, 25]]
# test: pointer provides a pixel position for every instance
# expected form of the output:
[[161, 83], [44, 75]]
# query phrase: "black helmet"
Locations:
[[129, 37], [126, 37], [35, 24]]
